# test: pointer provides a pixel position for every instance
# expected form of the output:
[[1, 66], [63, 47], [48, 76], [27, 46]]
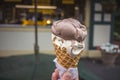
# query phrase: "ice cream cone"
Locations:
[[64, 59], [68, 40]]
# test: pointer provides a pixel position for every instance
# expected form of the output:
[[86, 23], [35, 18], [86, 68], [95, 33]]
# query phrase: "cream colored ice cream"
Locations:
[[73, 47], [68, 39]]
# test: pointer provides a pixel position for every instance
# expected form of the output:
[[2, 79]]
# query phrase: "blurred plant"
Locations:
[[117, 23], [109, 1], [116, 36], [109, 5]]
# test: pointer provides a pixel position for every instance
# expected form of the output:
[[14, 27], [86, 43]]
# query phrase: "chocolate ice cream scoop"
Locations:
[[69, 29]]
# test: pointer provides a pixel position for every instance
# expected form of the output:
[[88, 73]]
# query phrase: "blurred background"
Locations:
[[17, 36]]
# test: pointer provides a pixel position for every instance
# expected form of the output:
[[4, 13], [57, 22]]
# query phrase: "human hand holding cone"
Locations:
[[68, 40]]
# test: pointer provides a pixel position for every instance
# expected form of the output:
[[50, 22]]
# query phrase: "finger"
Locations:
[[77, 78], [55, 75], [67, 76]]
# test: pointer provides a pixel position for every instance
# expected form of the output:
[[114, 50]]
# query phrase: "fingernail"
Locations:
[[68, 77]]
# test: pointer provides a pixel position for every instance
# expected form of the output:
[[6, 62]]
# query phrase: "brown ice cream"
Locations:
[[69, 29]]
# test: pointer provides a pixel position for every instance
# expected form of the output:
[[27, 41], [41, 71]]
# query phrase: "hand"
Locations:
[[66, 76]]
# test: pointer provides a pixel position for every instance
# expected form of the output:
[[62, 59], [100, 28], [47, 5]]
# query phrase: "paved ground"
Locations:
[[24, 68], [95, 70]]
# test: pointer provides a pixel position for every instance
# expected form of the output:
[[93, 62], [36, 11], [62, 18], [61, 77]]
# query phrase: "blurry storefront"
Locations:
[[9, 13], [100, 24]]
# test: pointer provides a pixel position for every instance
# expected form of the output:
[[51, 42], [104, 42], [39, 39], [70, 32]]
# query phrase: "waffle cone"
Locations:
[[64, 59]]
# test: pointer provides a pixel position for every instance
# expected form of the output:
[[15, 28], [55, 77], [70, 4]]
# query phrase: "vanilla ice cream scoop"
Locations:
[[69, 29], [73, 47]]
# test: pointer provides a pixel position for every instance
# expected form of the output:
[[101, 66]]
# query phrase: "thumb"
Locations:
[[67, 76], [55, 75]]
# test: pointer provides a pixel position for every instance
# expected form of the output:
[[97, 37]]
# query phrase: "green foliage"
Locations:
[[108, 1], [117, 36], [117, 24]]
